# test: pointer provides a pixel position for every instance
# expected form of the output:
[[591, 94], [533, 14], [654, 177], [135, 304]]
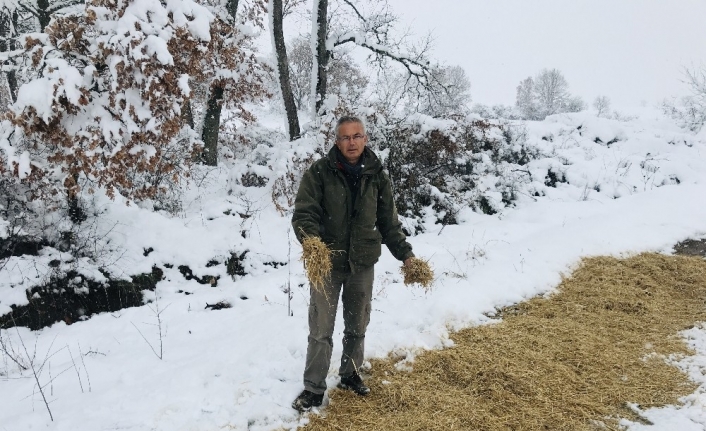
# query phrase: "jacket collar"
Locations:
[[371, 166]]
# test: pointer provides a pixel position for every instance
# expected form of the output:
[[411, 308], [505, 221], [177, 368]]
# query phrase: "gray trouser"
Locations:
[[357, 294]]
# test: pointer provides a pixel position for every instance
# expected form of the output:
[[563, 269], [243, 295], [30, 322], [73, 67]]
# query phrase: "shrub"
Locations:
[[441, 165]]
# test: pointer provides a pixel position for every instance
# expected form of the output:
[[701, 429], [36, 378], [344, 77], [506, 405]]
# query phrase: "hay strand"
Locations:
[[568, 362], [317, 261], [418, 271]]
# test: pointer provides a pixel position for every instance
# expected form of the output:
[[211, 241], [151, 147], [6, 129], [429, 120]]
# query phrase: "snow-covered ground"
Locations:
[[239, 368]]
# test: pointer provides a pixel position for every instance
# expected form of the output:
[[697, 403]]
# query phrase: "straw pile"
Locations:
[[317, 261], [570, 362], [418, 271]]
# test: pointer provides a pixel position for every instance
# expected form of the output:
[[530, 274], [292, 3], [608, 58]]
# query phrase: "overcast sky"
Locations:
[[629, 50]]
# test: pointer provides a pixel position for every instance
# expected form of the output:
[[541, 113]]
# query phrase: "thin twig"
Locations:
[[34, 371], [75, 368], [85, 370], [11, 354], [148, 343]]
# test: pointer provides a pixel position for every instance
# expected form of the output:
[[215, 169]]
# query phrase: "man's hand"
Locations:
[[407, 261]]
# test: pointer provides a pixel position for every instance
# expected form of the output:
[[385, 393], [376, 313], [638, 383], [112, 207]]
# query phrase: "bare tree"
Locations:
[[525, 100], [696, 79], [372, 29], [602, 105], [574, 104], [546, 94], [368, 25], [551, 91], [690, 111], [346, 79], [448, 94], [696, 102]]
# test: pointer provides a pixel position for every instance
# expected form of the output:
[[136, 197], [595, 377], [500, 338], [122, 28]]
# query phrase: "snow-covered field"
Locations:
[[239, 368]]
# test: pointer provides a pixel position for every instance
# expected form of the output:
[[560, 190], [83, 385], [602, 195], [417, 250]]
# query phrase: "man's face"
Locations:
[[351, 141]]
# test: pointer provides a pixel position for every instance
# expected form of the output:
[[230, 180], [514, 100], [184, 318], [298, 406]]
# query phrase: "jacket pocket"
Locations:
[[367, 247]]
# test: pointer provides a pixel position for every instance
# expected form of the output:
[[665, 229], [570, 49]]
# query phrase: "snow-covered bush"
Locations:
[[444, 165], [106, 104], [496, 112], [104, 107]]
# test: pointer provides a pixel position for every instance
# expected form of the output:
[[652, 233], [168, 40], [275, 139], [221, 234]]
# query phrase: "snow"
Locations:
[[24, 167], [184, 85], [61, 79], [240, 368], [691, 415]]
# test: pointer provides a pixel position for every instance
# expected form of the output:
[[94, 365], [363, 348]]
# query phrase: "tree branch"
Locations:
[[60, 6], [362, 18], [405, 61], [32, 11]]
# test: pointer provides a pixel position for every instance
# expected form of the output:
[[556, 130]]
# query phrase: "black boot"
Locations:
[[354, 383], [306, 400]]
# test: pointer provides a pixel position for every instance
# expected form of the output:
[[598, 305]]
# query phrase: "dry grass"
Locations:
[[569, 362], [418, 271], [317, 261]]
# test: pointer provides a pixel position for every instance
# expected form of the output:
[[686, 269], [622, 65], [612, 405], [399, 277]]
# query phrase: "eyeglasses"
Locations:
[[357, 138]]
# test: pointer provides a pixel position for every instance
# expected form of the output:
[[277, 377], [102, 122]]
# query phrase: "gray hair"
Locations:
[[348, 119]]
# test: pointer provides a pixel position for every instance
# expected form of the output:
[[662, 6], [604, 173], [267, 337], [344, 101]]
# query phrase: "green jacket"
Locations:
[[324, 208]]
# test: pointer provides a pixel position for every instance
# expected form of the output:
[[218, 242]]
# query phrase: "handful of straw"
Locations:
[[317, 261], [418, 271]]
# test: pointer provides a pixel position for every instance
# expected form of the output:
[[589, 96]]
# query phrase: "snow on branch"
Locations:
[[373, 30], [103, 104], [418, 66]]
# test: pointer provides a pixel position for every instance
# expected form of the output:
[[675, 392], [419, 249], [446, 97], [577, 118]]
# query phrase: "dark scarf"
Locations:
[[353, 173]]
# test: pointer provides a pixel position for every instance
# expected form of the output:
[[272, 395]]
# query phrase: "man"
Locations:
[[346, 200]]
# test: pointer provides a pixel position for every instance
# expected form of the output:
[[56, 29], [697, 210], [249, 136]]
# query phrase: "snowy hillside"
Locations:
[[617, 187]]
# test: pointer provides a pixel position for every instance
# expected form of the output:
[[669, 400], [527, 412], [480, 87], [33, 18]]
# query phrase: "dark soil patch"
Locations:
[[234, 264], [552, 178], [691, 247], [206, 279], [72, 298], [18, 246], [220, 305]]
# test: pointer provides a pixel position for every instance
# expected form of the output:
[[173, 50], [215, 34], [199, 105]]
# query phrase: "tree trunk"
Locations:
[[322, 54], [283, 69], [7, 26], [12, 84], [43, 15], [211, 125], [77, 215], [187, 114], [13, 45], [232, 7], [212, 121]]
